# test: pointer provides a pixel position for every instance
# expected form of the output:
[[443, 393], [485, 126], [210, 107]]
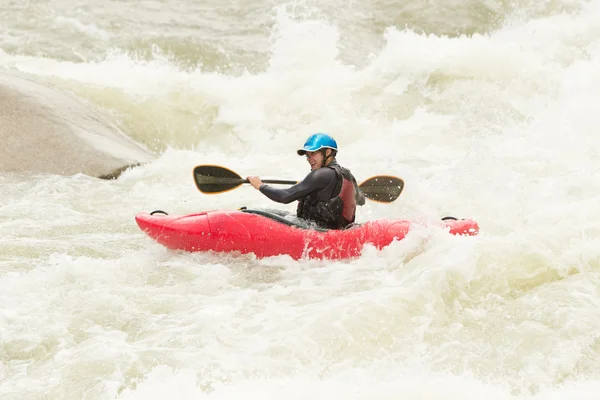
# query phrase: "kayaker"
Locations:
[[328, 195]]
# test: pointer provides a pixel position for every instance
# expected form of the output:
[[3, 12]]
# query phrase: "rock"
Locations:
[[46, 130]]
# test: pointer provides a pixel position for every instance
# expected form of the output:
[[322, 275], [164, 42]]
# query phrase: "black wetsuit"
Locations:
[[315, 191]]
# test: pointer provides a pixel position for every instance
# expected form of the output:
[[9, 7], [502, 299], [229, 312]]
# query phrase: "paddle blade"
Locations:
[[212, 179], [382, 188]]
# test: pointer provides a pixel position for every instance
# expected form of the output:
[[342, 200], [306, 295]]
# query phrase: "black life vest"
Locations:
[[333, 213]]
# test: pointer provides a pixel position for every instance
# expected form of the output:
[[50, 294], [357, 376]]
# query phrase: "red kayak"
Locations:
[[268, 234]]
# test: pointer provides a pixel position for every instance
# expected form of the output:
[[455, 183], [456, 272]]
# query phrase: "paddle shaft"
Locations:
[[273, 181]]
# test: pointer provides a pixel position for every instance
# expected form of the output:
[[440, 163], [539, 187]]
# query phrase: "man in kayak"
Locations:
[[328, 195]]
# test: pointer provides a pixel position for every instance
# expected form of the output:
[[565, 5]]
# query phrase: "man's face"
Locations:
[[315, 159]]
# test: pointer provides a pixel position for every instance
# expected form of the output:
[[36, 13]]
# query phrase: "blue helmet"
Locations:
[[316, 142]]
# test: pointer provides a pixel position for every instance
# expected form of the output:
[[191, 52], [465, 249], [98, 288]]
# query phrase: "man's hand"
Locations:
[[255, 181]]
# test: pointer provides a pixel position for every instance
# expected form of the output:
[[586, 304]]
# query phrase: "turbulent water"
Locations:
[[487, 110]]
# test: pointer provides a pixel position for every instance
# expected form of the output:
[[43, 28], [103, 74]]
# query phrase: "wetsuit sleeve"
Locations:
[[358, 194], [315, 180]]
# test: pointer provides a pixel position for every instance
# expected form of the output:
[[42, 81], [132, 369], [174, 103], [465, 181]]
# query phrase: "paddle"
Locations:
[[212, 179]]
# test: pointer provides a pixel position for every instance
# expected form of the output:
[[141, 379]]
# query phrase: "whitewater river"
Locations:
[[487, 110]]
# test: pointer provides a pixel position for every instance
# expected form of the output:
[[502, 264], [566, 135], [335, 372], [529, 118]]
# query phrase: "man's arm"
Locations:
[[358, 194], [315, 180]]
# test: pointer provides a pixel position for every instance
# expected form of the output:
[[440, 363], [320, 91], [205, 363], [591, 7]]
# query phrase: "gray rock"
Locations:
[[46, 130]]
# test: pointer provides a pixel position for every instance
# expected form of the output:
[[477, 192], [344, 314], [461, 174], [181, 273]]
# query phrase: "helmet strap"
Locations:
[[327, 157]]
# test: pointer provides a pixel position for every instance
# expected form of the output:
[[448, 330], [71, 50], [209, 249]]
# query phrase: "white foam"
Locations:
[[499, 127]]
